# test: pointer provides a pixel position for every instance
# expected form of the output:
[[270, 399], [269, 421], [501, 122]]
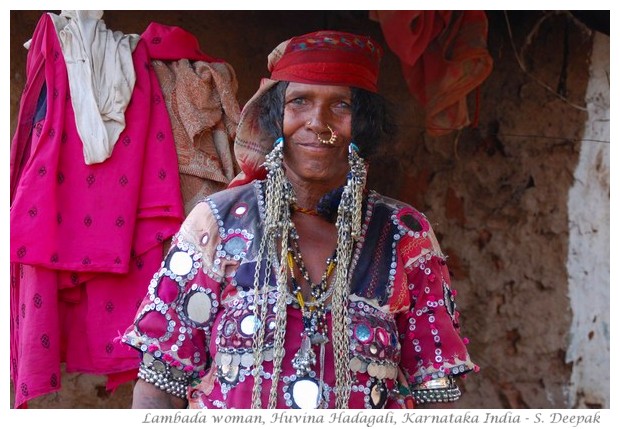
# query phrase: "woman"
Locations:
[[297, 287]]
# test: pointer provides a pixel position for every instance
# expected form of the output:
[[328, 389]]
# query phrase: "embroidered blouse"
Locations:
[[197, 318]]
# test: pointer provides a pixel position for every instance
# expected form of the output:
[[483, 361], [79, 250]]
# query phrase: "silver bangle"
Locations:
[[163, 376], [445, 390]]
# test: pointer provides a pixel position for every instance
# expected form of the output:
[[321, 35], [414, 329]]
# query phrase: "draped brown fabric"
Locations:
[[200, 93], [201, 101]]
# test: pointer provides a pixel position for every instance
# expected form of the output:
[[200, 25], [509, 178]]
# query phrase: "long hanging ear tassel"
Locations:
[[357, 183], [280, 310], [349, 226], [277, 224]]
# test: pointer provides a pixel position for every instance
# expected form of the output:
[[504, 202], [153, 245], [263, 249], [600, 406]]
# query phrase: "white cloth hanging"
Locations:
[[101, 78]]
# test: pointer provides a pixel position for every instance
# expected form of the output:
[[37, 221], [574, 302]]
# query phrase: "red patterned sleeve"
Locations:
[[429, 327], [174, 321]]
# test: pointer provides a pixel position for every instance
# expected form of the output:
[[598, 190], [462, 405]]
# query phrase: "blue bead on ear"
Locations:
[[278, 141], [353, 147]]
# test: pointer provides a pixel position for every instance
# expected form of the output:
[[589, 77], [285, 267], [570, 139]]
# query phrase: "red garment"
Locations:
[[402, 319], [443, 56], [85, 239]]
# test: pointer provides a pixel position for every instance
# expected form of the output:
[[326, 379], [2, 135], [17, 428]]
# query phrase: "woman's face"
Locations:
[[308, 109]]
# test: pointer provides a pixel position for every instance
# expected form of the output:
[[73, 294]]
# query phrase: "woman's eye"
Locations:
[[344, 105], [298, 100]]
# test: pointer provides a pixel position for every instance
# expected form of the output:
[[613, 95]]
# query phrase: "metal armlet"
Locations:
[[442, 389], [163, 376]]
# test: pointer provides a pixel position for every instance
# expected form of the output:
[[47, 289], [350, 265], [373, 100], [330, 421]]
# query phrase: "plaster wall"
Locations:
[[589, 242]]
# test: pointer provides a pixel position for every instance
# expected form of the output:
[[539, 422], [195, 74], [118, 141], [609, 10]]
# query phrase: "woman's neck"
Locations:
[[308, 193]]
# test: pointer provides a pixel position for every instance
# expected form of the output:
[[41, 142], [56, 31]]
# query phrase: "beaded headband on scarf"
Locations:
[[322, 57]]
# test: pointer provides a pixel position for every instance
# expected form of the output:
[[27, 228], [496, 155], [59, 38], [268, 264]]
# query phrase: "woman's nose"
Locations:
[[318, 120], [319, 127], [324, 132]]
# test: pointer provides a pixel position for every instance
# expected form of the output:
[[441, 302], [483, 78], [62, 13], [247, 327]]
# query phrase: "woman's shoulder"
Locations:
[[412, 224], [232, 194], [402, 213], [223, 214], [221, 201], [229, 206]]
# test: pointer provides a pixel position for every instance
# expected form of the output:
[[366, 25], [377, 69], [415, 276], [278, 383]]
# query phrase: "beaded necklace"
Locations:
[[273, 254], [313, 312], [309, 390]]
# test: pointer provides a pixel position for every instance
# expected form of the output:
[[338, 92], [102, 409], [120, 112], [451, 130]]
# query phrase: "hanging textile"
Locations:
[[200, 93], [85, 239], [443, 57], [101, 78]]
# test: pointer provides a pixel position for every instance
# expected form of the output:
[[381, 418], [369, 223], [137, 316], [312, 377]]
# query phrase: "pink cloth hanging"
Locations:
[[85, 239], [443, 57]]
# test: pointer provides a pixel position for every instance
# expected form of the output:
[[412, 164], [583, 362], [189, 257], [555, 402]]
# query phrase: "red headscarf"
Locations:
[[322, 58], [330, 58]]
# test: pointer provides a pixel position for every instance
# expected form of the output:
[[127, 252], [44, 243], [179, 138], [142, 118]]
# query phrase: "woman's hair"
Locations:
[[372, 121], [271, 110]]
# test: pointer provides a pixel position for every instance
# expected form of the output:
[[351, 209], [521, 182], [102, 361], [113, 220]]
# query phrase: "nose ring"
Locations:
[[332, 138]]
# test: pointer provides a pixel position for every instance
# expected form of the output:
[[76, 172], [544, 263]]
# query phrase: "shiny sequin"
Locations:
[[240, 209], [205, 238], [229, 328], [229, 373], [382, 336]]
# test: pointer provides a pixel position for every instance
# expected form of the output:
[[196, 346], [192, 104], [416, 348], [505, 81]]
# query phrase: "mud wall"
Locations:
[[497, 194]]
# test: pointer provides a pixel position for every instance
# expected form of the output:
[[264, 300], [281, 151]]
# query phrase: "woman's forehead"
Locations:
[[310, 88]]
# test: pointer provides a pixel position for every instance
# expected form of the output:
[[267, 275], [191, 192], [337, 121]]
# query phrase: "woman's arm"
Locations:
[[146, 395], [433, 354]]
